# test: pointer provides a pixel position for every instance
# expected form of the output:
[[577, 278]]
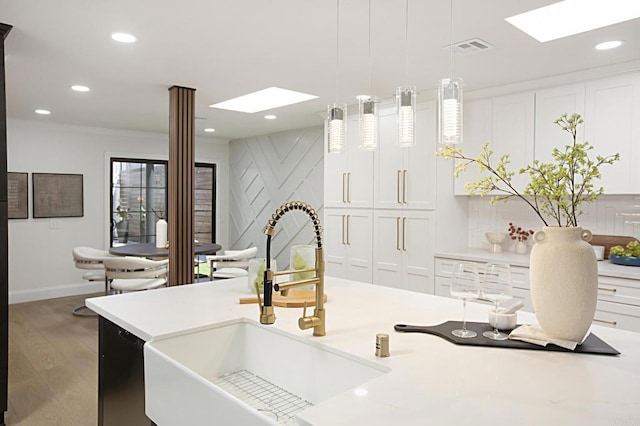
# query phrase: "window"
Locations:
[[204, 205], [139, 198]]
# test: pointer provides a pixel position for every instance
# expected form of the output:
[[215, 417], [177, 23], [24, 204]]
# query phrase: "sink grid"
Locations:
[[264, 396]]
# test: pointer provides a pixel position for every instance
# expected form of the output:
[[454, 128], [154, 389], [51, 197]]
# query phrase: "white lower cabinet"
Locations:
[[618, 298], [403, 249], [348, 244]]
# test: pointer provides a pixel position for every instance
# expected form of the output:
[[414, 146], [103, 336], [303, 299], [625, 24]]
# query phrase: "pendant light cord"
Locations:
[[369, 47], [337, 50], [406, 44], [451, 40]]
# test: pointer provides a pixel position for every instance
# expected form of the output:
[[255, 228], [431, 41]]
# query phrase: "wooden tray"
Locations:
[[296, 298], [609, 241]]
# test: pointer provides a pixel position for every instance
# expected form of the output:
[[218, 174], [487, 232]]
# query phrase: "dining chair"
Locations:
[[232, 263], [91, 260], [135, 273]]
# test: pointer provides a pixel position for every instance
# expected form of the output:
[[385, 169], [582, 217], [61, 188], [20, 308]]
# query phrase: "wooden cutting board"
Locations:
[[295, 299], [609, 241]]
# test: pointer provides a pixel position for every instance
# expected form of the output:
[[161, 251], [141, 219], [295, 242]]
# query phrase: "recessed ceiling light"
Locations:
[[363, 97], [209, 130], [571, 17], [79, 88], [273, 97], [270, 117], [123, 37], [606, 45], [43, 111]]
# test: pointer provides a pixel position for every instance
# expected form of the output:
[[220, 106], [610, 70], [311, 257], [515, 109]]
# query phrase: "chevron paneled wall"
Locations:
[[267, 171]]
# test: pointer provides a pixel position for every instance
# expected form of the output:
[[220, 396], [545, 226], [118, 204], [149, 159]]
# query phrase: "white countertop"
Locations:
[[432, 381], [605, 268]]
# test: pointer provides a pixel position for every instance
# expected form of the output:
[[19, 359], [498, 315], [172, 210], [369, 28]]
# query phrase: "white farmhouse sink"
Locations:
[[244, 373]]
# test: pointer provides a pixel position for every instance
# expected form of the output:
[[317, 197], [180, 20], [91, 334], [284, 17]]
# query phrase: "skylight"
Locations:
[[571, 17], [273, 97]]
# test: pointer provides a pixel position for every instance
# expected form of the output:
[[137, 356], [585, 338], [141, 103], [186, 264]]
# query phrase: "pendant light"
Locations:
[[336, 113], [406, 99], [450, 101], [368, 111]]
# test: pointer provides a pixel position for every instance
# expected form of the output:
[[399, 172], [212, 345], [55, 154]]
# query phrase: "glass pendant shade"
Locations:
[[406, 108], [336, 118], [368, 122], [450, 111]]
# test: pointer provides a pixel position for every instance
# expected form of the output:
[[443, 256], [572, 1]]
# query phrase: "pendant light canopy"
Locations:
[[450, 111], [336, 114], [450, 101], [368, 122]]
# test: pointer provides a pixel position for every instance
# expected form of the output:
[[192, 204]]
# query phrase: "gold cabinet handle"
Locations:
[[348, 187], [344, 178], [613, 323], [343, 220], [612, 290], [398, 233], [348, 236], [398, 190], [404, 187], [404, 233]]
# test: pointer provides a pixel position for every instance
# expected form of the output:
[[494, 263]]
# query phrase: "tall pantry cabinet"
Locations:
[[387, 239]]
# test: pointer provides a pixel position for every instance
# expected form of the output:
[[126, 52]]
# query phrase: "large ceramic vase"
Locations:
[[564, 281]]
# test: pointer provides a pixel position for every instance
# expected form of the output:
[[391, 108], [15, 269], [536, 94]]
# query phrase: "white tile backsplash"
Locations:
[[610, 215]]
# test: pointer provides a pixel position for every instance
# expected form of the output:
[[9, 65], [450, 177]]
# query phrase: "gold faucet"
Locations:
[[267, 315]]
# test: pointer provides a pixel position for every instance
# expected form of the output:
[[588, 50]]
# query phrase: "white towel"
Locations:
[[535, 335]]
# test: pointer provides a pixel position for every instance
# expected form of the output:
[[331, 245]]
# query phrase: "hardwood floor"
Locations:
[[53, 364]]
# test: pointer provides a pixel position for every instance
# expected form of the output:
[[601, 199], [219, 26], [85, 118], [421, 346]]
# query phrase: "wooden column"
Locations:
[[181, 185]]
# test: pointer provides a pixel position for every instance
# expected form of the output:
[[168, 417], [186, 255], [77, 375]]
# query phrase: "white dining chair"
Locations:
[[231, 263], [135, 273], [91, 260]]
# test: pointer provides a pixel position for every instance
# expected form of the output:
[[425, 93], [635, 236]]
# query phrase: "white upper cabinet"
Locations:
[[612, 125], [610, 108], [550, 105], [507, 123], [405, 177], [348, 175]]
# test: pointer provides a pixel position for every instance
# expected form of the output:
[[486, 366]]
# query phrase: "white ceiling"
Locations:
[[228, 48]]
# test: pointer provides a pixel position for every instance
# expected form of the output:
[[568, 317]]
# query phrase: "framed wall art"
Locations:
[[18, 195], [57, 195]]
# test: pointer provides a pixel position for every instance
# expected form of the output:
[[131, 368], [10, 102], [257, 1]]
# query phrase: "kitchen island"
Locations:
[[431, 381]]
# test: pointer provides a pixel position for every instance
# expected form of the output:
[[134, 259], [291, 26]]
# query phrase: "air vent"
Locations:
[[471, 46]]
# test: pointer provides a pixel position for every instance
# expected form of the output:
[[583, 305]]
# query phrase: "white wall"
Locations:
[[610, 215], [267, 171], [40, 261]]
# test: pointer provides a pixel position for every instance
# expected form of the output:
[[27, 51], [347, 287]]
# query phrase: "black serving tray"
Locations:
[[591, 345]]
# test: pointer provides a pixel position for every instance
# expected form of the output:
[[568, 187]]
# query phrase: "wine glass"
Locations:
[[497, 287], [465, 285]]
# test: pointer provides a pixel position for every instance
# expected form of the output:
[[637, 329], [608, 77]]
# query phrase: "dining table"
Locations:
[[150, 250]]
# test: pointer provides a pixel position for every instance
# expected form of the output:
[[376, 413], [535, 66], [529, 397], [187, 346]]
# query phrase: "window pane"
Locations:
[[204, 178]]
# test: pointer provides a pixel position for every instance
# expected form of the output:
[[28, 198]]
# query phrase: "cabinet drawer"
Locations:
[[617, 315], [619, 290], [519, 275]]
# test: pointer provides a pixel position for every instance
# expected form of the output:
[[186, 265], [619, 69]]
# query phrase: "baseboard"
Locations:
[[22, 296]]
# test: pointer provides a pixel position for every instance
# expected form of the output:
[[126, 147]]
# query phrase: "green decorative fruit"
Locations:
[[298, 264], [631, 250], [259, 281]]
